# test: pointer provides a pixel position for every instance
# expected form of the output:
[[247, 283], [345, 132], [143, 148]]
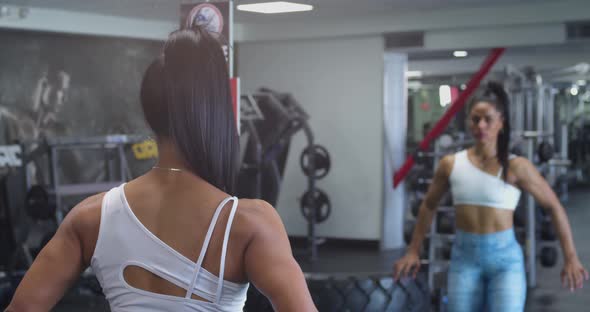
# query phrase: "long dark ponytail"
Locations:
[[494, 93], [185, 96]]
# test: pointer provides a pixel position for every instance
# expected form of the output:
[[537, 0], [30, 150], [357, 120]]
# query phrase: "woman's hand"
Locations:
[[573, 274], [408, 264]]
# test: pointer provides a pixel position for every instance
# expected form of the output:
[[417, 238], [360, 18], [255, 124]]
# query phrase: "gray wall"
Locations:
[[340, 84]]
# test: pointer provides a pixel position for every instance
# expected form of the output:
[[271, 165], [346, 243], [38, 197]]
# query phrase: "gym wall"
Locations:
[[339, 82], [71, 85]]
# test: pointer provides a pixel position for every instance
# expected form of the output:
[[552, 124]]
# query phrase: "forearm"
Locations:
[[293, 304], [564, 231], [287, 290], [37, 292], [21, 307], [424, 220]]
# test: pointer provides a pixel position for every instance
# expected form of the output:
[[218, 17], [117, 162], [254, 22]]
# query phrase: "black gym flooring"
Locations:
[[548, 296]]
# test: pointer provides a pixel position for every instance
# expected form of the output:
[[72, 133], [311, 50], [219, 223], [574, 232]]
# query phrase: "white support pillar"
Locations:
[[395, 113]]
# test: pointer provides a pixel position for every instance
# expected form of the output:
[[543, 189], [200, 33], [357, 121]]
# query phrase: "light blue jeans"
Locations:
[[487, 273]]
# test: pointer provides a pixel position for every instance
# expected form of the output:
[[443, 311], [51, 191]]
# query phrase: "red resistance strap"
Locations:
[[450, 113]]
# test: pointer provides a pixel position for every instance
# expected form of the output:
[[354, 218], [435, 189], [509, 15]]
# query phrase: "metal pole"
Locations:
[[55, 174], [520, 102], [530, 228], [254, 137], [564, 142], [122, 163], [311, 188], [108, 163], [230, 44], [529, 111], [565, 156], [433, 234], [551, 116], [540, 108]]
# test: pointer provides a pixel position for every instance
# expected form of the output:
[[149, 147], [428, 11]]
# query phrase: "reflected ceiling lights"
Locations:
[[460, 53], [275, 7]]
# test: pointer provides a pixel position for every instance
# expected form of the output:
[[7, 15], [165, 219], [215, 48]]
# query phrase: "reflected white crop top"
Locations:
[[472, 186]]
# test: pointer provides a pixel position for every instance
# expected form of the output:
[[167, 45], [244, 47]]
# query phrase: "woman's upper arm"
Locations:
[[440, 182], [61, 261], [270, 264], [530, 180]]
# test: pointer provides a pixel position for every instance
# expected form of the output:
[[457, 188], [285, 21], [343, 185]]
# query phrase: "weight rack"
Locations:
[[105, 144]]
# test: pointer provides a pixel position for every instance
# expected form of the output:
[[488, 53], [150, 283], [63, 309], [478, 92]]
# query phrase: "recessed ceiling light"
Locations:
[[574, 91], [413, 74], [275, 7], [460, 53]]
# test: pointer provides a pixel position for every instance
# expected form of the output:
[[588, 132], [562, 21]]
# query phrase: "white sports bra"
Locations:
[[472, 186], [123, 241]]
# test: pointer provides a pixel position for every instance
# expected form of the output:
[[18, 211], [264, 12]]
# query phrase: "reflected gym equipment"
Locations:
[[316, 202], [545, 151], [548, 256], [445, 223], [40, 205], [269, 121], [320, 158]]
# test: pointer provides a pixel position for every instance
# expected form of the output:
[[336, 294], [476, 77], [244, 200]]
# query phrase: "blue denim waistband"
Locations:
[[491, 240]]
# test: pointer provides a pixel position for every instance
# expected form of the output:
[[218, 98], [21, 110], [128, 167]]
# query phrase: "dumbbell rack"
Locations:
[[436, 265], [533, 123], [436, 239]]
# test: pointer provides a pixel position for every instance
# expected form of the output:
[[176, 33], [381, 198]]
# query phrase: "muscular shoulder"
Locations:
[[84, 222], [519, 165], [445, 165], [258, 217], [522, 168], [87, 212]]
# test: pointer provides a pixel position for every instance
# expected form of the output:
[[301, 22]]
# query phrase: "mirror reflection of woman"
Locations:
[[487, 264]]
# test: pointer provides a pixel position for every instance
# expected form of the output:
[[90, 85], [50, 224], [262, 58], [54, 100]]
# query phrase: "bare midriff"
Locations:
[[483, 220]]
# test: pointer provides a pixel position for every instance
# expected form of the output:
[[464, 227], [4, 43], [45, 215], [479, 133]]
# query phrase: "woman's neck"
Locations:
[[170, 157], [171, 169], [485, 151]]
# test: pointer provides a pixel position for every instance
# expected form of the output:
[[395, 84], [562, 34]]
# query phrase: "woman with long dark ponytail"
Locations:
[[162, 241], [487, 270]]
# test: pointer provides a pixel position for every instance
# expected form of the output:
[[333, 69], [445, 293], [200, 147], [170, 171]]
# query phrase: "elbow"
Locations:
[[429, 206], [551, 208]]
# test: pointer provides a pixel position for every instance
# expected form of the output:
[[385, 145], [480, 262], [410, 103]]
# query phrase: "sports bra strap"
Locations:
[[199, 263], [230, 220]]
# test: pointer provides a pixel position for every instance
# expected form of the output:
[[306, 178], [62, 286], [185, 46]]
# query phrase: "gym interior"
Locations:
[[345, 109]]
